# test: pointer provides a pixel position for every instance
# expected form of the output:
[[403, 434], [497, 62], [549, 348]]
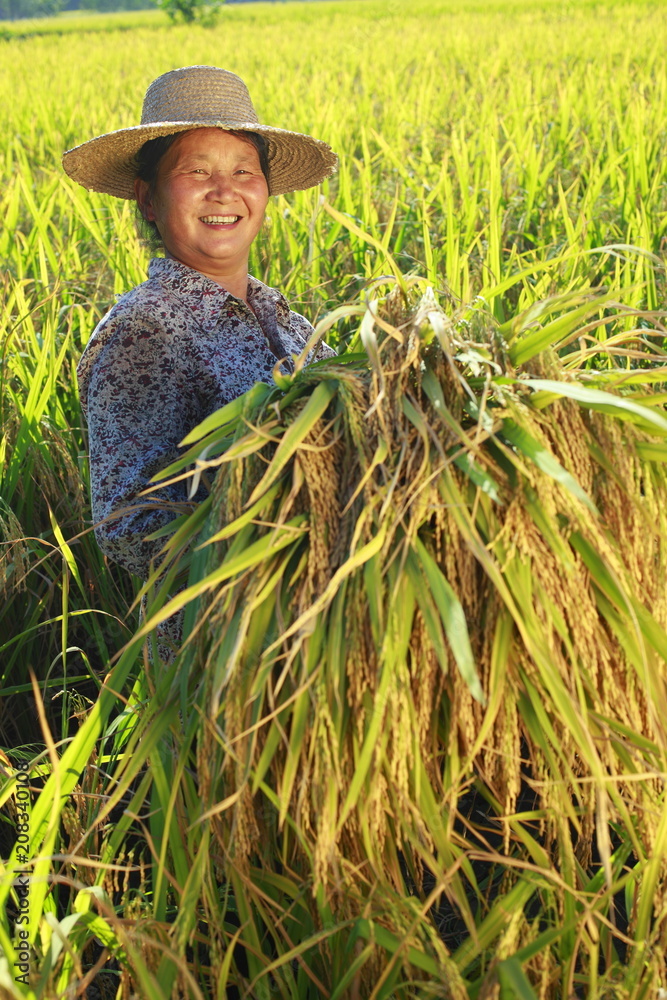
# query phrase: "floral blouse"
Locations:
[[169, 353]]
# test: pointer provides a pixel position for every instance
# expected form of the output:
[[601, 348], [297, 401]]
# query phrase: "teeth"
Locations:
[[220, 220]]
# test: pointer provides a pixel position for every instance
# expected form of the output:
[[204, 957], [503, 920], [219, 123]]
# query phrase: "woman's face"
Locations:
[[208, 201]]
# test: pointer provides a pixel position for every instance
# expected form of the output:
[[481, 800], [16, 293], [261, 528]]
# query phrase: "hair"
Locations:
[[147, 162]]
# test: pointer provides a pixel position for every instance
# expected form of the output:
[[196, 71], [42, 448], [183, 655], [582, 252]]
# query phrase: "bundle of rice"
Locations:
[[427, 646]]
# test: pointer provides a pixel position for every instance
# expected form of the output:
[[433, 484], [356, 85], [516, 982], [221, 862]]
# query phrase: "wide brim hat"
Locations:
[[190, 98]]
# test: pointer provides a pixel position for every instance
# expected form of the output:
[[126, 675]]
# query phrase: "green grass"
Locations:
[[512, 155]]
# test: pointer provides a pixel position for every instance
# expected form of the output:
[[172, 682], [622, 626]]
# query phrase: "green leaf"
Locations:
[[235, 562], [371, 931], [232, 527], [478, 476], [495, 921], [229, 413], [598, 399], [544, 460], [652, 451], [453, 619], [429, 612], [298, 429], [513, 981], [547, 336], [365, 237]]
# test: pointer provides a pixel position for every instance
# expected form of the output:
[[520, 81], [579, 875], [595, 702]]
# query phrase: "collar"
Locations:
[[207, 298]]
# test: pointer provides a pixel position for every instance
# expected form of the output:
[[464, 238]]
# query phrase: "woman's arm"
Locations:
[[140, 404], [148, 377]]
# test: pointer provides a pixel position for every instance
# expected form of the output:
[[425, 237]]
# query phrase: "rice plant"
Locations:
[[420, 578]]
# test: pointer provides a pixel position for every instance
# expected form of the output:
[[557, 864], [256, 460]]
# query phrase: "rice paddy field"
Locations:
[[416, 744]]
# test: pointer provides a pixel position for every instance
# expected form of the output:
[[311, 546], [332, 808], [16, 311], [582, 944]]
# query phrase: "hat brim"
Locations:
[[106, 163]]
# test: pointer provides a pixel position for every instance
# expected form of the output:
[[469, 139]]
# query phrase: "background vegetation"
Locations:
[[21, 10], [513, 156]]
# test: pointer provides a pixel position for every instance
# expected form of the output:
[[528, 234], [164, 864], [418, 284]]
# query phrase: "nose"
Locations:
[[222, 185]]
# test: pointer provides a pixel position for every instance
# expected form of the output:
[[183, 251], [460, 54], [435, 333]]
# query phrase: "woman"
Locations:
[[200, 331]]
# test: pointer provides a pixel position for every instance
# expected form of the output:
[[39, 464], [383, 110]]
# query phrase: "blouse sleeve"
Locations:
[[140, 404]]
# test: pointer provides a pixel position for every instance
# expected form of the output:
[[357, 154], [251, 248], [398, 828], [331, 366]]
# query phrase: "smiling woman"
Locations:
[[200, 331], [208, 203]]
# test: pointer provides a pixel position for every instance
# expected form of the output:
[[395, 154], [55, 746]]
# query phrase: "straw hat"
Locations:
[[189, 98]]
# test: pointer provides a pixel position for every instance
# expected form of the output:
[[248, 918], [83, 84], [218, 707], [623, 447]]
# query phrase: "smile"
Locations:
[[219, 220]]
